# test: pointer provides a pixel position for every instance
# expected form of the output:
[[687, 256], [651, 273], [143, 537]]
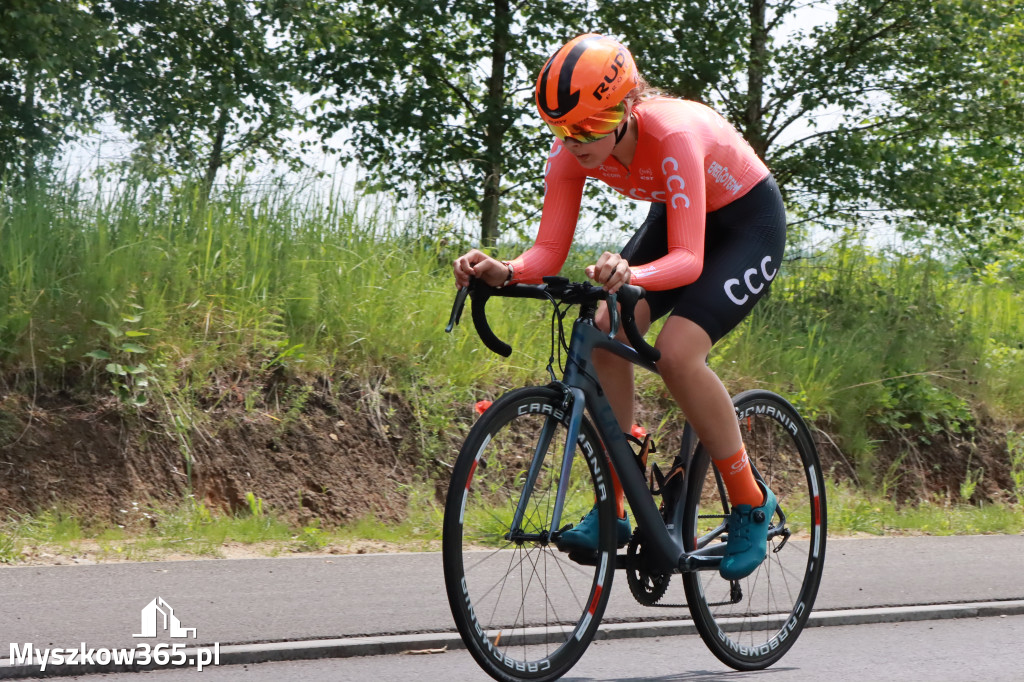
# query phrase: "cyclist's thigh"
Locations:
[[743, 251]]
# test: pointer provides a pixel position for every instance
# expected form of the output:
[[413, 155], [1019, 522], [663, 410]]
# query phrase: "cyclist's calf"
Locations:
[[684, 347]]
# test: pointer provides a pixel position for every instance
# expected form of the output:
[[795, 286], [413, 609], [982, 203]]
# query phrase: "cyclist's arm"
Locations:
[[563, 192], [686, 201]]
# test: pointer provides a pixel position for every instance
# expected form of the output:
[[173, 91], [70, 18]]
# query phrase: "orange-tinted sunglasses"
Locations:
[[592, 129]]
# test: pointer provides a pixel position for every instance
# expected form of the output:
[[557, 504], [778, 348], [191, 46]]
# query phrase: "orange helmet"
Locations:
[[587, 75]]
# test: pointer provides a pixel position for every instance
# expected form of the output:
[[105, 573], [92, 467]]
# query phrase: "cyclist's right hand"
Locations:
[[478, 264]]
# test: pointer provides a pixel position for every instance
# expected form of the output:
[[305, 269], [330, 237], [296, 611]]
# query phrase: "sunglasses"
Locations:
[[592, 129]]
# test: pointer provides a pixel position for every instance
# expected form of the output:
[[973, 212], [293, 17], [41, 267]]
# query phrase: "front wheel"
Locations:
[[750, 623], [525, 610]]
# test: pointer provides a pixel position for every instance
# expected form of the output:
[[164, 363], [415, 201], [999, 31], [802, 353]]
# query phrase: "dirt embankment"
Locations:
[[339, 454]]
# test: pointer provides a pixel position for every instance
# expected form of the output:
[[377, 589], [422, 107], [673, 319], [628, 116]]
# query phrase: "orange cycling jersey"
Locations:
[[687, 157]]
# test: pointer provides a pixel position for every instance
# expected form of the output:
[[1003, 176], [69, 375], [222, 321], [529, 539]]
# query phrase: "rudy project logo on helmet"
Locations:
[[617, 64], [587, 75]]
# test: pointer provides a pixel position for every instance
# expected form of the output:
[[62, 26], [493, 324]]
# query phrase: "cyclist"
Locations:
[[707, 252]]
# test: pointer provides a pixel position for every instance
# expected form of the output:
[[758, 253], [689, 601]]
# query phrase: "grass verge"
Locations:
[[191, 531]]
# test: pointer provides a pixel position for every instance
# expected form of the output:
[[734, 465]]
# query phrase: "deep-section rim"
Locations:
[[491, 659], [759, 403]]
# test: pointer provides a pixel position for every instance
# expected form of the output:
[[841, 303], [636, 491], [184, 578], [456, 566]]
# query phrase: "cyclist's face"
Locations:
[[590, 154]]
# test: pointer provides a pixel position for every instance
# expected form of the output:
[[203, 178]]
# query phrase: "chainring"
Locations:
[[648, 588]]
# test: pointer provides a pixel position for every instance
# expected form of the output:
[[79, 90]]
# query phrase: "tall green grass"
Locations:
[[256, 279], [261, 280]]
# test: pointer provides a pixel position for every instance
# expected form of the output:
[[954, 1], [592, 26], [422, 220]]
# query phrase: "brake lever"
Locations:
[[457, 308]]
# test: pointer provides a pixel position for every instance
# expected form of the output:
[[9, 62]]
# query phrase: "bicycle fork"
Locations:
[[540, 453]]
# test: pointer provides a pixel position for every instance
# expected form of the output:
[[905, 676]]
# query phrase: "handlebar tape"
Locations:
[[483, 329], [628, 294]]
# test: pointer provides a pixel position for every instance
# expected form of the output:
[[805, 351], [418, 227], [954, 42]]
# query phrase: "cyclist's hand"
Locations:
[[611, 271], [478, 264]]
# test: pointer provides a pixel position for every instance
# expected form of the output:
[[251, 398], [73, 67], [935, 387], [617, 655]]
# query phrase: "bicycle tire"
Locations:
[[525, 610], [750, 624]]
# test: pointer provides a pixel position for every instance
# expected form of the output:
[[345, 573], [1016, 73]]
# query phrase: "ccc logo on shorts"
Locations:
[[754, 281]]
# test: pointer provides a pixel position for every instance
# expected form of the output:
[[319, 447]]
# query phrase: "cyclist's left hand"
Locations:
[[611, 271]]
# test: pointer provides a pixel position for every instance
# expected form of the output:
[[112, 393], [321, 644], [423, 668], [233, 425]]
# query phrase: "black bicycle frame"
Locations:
[[663, 540]]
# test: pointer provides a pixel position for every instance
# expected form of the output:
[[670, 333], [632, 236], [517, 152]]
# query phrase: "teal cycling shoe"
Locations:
[[583, 536], [748, 537]]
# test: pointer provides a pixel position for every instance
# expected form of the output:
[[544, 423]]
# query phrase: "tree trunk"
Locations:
[[494, 126], [757, 65], [216, 159], [30, 128]]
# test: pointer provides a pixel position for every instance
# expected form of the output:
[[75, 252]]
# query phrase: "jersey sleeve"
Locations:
[[563, 192], [682, 166]]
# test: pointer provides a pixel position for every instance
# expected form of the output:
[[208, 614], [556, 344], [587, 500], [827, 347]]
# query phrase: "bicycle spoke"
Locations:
[[750, 623], [518, 601]]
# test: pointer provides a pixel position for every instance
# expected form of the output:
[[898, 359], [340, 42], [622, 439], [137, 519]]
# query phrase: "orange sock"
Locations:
[[739, 479]]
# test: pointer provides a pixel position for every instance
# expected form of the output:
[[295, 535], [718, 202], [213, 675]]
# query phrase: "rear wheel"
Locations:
[[750, 623], [525, 610]]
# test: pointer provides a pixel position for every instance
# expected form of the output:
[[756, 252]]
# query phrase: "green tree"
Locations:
[[436, 96], [200, 83], [902, 110], [49, 56]]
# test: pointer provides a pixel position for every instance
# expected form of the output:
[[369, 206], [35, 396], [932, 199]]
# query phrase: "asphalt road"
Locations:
[[927, 651], [350, 605]]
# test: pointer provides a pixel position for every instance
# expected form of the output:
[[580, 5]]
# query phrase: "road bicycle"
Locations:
[[539, 458]]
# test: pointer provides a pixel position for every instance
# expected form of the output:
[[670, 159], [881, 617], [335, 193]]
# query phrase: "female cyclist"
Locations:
[[707, 252]]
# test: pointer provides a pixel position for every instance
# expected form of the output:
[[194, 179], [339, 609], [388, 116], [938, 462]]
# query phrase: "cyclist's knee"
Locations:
[[643, 320], [684, 345]]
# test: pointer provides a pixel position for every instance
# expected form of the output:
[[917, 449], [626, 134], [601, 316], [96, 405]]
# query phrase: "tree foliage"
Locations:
[[908, 111], [48, 63], [435, 96], [901, 110], [200, 83], [933, 131]]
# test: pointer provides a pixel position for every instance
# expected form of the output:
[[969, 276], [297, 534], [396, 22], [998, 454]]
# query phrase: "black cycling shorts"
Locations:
[[743, 245]]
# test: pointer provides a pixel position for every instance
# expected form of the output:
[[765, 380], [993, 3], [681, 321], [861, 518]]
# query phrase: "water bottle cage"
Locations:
[[641, 449], [668, 486]]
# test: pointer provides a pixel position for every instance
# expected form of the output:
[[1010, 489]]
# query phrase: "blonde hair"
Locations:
[[643, 91]]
